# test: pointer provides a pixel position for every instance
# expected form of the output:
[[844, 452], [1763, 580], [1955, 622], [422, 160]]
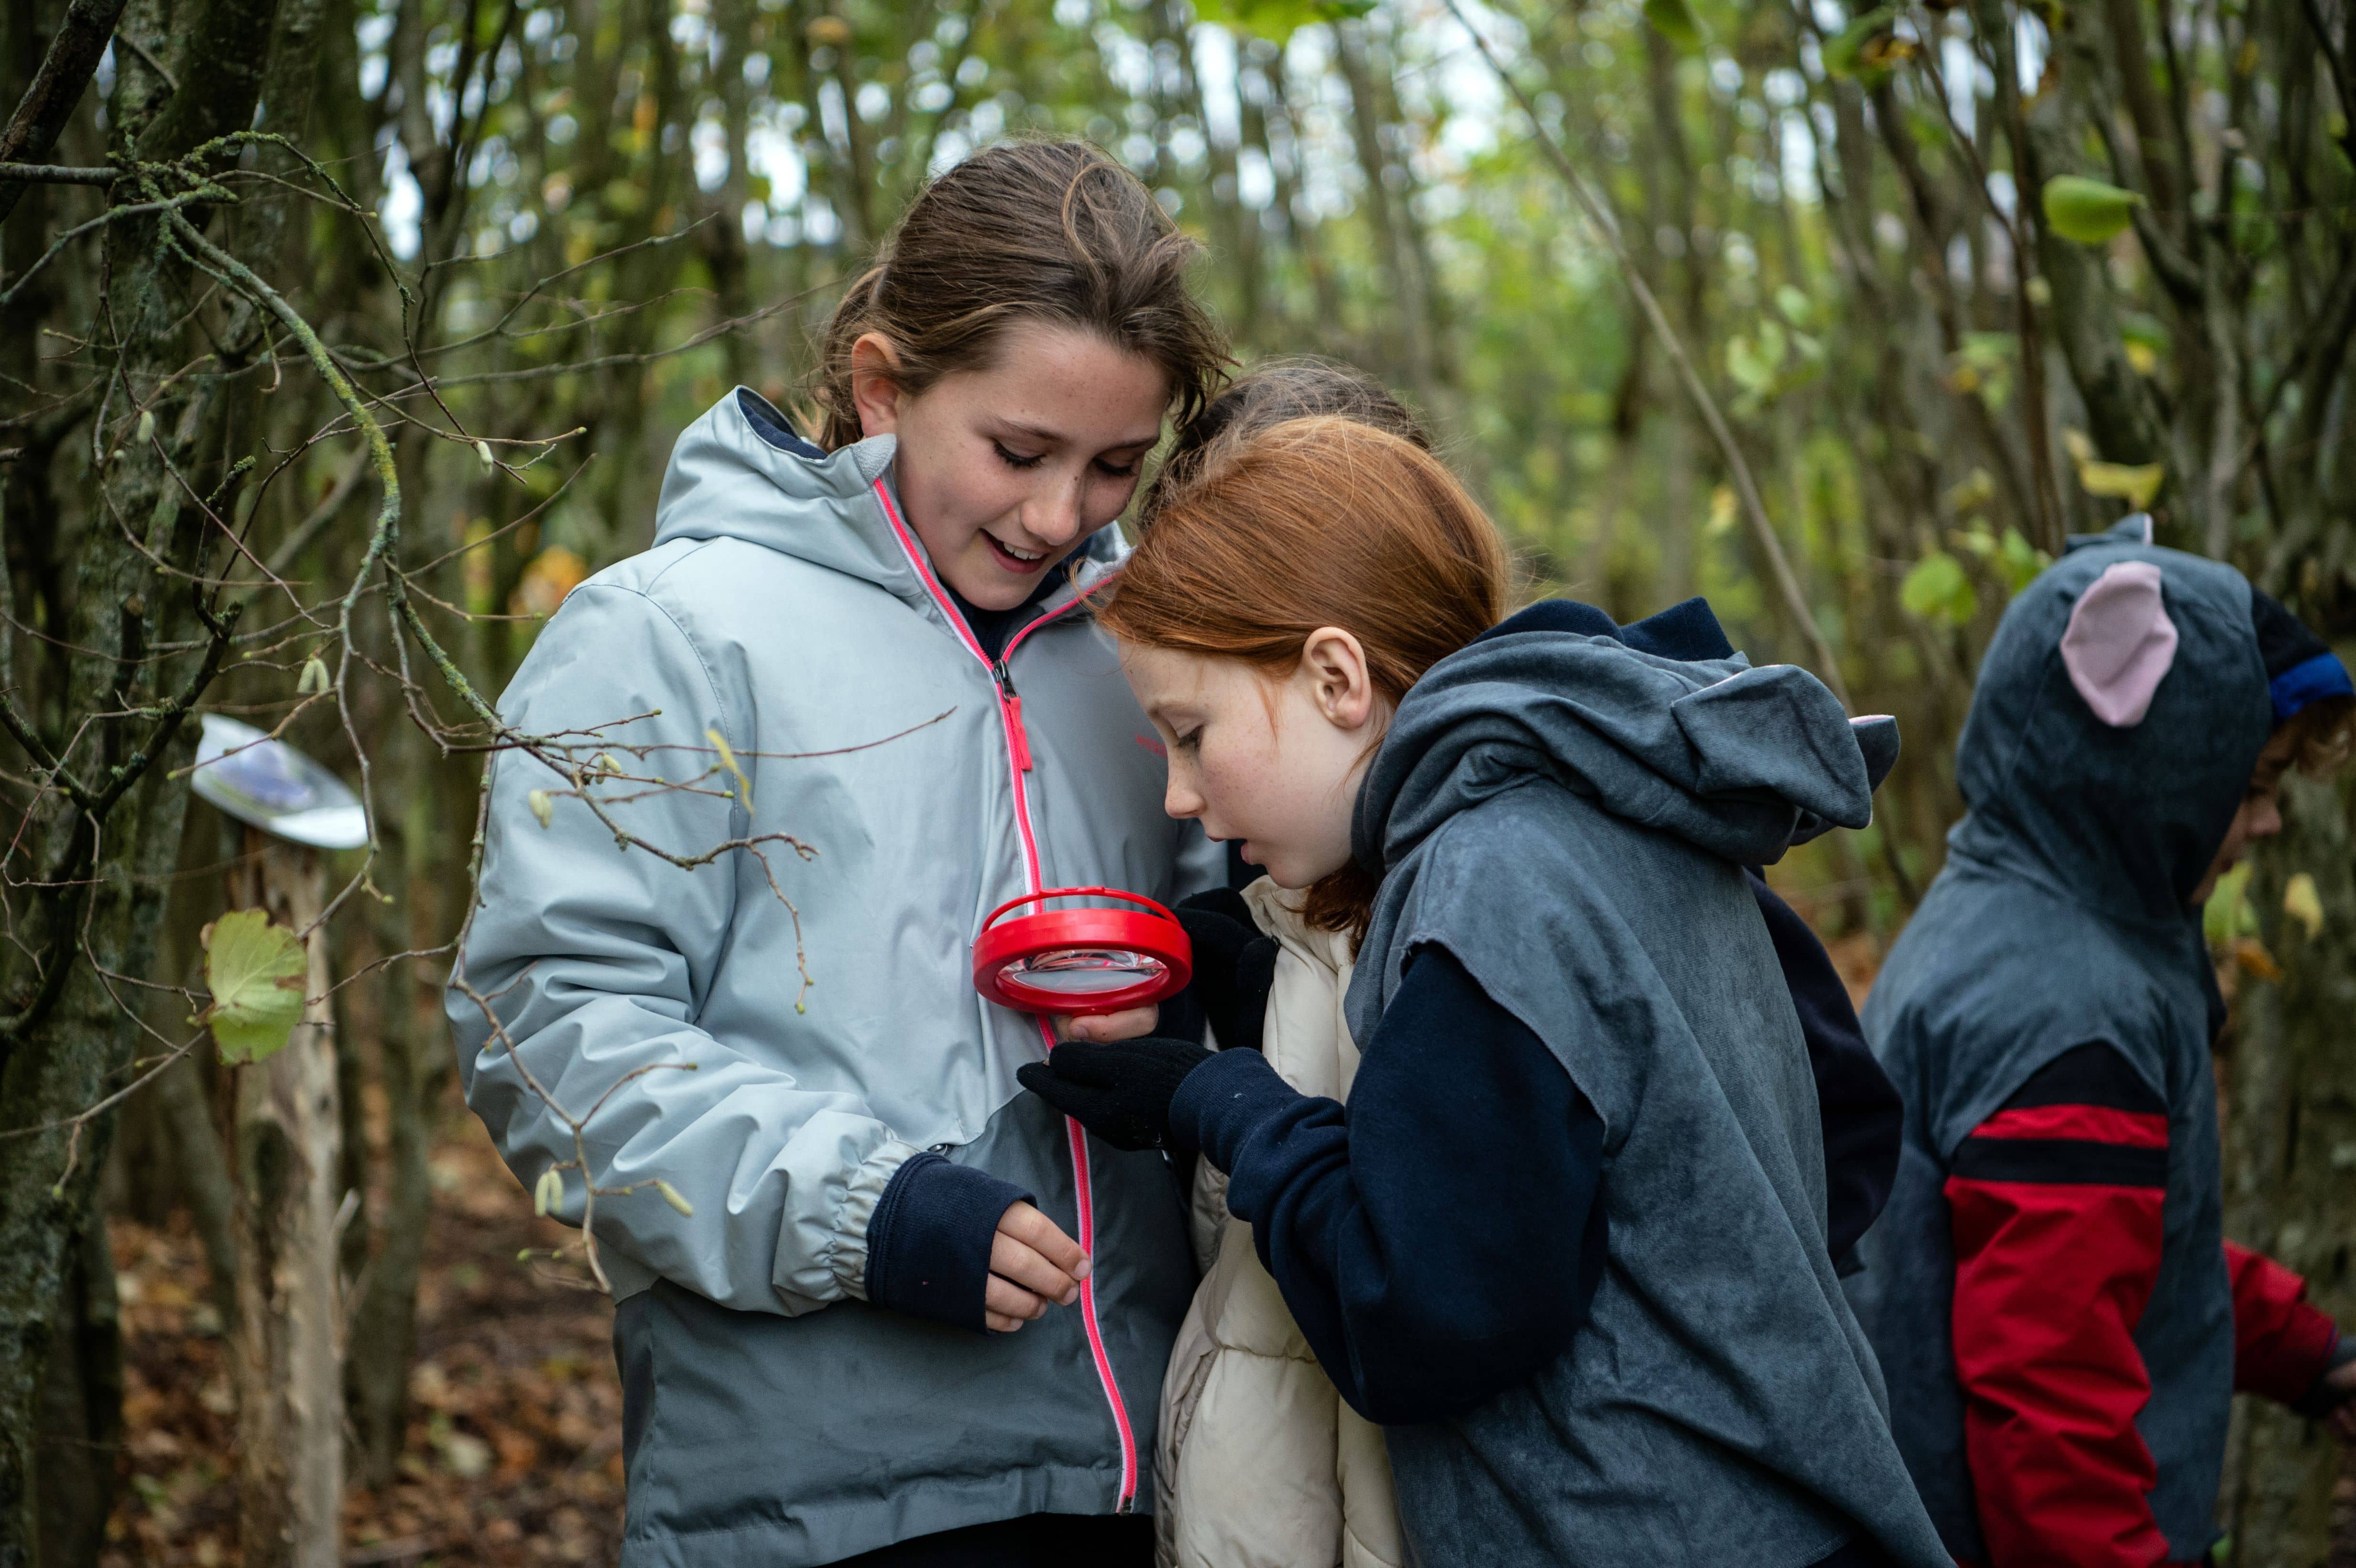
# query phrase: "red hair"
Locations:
[[1311, 523]]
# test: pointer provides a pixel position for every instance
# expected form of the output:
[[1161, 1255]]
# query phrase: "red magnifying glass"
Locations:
[[1081, 960]]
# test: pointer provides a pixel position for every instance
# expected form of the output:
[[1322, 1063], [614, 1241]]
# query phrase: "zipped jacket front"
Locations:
[[746, 969]]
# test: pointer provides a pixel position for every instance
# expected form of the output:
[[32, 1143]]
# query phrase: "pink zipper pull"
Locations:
[[1017, 740], [1015, 732]]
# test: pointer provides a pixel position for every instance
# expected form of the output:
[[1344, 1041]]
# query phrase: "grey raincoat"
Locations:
[[775, 1031]]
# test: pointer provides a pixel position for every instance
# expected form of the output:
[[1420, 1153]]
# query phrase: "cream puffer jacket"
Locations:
[[1261, 1464]]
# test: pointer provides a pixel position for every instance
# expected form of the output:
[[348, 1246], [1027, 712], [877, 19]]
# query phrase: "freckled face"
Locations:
[[1254, 757], [1006, 469]]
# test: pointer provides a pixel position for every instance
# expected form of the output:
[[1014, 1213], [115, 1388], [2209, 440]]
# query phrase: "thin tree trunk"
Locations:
[[287, 1363]]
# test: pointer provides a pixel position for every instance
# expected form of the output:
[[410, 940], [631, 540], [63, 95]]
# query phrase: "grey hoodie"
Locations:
[[2061, 920], [1569, 819], [773, 1416]]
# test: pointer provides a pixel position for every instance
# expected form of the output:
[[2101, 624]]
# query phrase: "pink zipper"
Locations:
[[1018, 762]]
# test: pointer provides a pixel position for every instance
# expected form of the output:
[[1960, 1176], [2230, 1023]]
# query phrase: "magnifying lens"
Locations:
[[1081, 960]]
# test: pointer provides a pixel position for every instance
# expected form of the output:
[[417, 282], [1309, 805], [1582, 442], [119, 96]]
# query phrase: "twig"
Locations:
[[57, 174], [1795, 600], [136, 47]]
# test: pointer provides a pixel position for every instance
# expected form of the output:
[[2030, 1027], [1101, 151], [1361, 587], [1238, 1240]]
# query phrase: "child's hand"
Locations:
[[1032, 1263], [2341, 1381], [1103, 1028]]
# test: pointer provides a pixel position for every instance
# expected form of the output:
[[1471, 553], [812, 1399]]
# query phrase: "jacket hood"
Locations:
[[1739, 762], [2119, 811], [739, 471]]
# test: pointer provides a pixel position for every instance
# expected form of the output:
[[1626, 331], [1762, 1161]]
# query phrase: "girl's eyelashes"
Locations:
[[1111, 471]]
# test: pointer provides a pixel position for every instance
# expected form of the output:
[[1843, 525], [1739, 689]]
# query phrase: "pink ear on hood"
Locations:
[[2120, 642]]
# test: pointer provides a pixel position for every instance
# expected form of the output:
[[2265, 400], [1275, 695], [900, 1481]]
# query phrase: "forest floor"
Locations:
[[514, 1450], [513, 1456]]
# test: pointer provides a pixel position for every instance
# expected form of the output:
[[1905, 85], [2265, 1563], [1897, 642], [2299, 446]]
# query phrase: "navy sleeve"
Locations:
[[1859, 1105], [928, 1242], [1440, 1241]]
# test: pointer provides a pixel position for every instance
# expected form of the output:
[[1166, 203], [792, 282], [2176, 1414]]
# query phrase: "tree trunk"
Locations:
[[82, 1409], [2290, 1141], [285, 1361]]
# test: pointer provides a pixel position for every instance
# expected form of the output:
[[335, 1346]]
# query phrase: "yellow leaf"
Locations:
[[2136, 484], [2074, 441], [728, 760], [551, 575], [2143, 356], [256, 971], [1721, 512], [542, 806], [2304, 904], [547, 1192], [313, 678], [2252, 955], [671, 1196]]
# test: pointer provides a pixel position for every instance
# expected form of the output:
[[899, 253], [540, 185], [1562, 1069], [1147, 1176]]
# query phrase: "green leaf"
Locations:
[[2019, 560], [1797, 307], [2145, 340], [313, 678], [2087, 210], [1937, 590], [1754, 366], [542, 806], [2228, 913], [1674, 20], [547, 1192], [1846, 53], [1277, 20], [672, 1196], [256, 971]]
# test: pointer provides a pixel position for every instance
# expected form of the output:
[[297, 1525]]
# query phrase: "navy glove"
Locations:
[[1120, 1091], [1234, 964]]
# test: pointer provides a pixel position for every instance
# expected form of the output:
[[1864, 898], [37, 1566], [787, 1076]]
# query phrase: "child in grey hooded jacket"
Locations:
[[767, 778], [1568, 1242]]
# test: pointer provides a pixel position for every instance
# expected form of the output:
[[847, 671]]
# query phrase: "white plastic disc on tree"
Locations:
[[270, 785]]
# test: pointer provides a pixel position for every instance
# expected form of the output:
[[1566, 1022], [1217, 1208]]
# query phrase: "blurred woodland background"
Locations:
[[339, 338]]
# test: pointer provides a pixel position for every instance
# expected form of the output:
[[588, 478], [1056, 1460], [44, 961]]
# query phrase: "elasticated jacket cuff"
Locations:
[[928, 1244], [1221, 1101]]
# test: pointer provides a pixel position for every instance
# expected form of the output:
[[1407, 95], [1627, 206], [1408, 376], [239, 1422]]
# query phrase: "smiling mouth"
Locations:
[[1014, 559]]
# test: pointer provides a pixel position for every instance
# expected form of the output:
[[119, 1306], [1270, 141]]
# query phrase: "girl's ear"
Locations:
[[874, 384], [1339, 682]]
